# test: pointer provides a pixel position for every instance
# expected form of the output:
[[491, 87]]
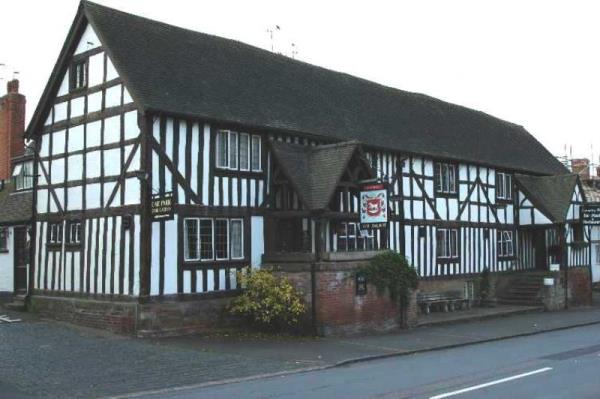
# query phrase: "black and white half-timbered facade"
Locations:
[[168, 159]]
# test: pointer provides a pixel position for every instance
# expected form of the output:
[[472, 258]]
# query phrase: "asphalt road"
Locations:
[[559, 364]]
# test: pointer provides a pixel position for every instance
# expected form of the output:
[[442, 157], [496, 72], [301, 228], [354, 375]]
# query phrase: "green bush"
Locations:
[[391, 272], [267, 301]]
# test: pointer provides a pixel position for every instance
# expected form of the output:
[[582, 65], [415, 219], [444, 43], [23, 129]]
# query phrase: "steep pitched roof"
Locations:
[[183, 72], [550, 194], [314, 171], [15, 207]]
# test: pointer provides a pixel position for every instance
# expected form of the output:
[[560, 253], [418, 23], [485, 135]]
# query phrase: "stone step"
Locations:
[[17, 304], [510, 301]]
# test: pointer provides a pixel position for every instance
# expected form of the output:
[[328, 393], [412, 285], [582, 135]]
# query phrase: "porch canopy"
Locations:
[[551, 195]]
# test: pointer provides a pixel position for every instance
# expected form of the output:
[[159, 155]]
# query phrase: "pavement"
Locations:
[[48, 359]]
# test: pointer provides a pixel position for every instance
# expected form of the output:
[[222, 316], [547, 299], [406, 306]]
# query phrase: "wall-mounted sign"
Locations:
[[162, 206], [590, 214], [373, 206], [361, 284]]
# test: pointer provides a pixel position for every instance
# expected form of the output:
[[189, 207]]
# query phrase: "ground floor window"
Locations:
[[207, 239], [447, 243], [505, 243], [3, 239], [351, 237]]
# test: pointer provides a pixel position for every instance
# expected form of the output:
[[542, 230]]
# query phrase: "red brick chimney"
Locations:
[[581, 167], [12, 126]]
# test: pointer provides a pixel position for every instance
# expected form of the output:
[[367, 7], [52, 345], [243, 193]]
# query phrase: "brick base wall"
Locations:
[[580, 286]]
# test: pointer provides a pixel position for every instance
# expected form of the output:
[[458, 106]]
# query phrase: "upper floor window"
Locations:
[[79, 76], [208, 239], [74, 232], [55, 233], [3, 239], [447, 243], [23, 176], [505, 243], [350, 237], [503, 185], [445, 178], [238, 151]]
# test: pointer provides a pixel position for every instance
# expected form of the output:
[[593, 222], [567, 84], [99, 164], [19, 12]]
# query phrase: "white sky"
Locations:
[[535, 63]]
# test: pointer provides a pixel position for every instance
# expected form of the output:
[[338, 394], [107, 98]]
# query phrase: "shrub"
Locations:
[[391, 272], [267, 301]]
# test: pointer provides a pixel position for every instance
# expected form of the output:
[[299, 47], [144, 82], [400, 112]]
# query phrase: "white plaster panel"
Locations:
[[170, 286], [112, 162], [93, 164], [77, 107], [7, 266], [132, 191], [96, 69], [45, 145], [64, 85], [453, 208], [94, 102], [57, 171], [60, 111], [112, 129], [127, 99], [75, 167], [60, 196], [525, 217], [111, 72], [418, 209], [48, 118], [42, 201], [112, 97], [76, 138], [155, 264], [135, 162], [257, 241], [75, 196], [406, 186], [205, 161], [93, 134], [428, 168], [540, 218], [429, 188], [108, 189], [58, 142], [132, 129], [88, 40]]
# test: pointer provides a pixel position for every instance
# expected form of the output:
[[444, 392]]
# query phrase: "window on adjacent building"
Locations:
[[447, 243], [238, 151], [4, 239], [79, 75], [74, 232], [350, 237], [445, 178], [213, 239], [55, 233], [503, 185], [505, 243], [23, 176]]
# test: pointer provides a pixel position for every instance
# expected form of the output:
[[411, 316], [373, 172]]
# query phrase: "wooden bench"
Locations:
[[447, 301]]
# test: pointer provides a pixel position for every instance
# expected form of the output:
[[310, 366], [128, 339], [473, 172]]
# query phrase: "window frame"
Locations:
[[449, 251], [186, 240], [228, 245], [24, 179], [225, 159], [503, 243], [69, 236], [252, 152], [74, 75], [449, 171], [55, 239], [248, 145], [504, 176], [231, 255], [360, 241]]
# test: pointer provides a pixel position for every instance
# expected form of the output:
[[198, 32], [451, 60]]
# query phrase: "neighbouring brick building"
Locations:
[[166, 160]]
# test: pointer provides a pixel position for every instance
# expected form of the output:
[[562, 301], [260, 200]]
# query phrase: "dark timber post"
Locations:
[[564, 262], [145, 216]]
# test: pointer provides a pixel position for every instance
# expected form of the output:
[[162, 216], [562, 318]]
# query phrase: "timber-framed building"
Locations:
[[258, 154]]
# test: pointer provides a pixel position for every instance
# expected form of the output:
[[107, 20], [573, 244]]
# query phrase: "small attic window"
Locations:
[[79, 75]]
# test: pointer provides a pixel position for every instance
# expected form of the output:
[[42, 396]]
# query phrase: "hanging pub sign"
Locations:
[[162, 206], [590, 214], [373, 206]]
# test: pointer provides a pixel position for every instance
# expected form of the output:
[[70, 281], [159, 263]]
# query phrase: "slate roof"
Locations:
[[186, 73], [15, 207], [314, 171], [550, 194], [592, 194]]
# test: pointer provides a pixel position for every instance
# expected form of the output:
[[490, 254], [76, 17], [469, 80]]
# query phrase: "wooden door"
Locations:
[[21, 253], [539, 245]]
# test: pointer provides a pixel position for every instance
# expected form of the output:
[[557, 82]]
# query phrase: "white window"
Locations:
[[238, 151], [55, 232], [23, 175], [256, 164], [447, 243], [4, 239], [505, 243], [74, 233], [350, 237], [503, 185], [208, 239], [445, 178]]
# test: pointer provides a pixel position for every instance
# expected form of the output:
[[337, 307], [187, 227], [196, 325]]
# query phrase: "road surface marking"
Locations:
[[487, 384]]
